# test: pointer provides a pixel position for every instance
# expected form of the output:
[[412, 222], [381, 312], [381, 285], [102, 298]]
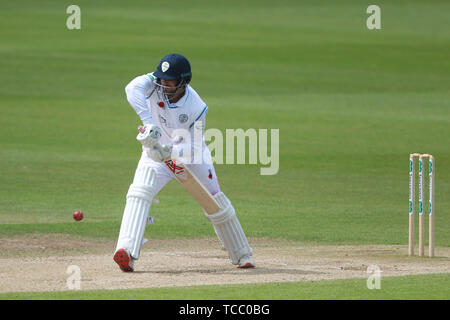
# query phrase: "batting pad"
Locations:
[[139, 200], [229, 230]]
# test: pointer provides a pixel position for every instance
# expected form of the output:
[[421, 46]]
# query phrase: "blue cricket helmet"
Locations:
[[174, 66]]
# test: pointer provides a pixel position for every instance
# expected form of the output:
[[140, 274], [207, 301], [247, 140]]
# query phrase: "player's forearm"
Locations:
[[136, 95]]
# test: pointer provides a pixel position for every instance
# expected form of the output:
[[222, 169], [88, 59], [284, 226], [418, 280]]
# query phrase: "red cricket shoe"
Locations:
[[246, 262], [124, 260]]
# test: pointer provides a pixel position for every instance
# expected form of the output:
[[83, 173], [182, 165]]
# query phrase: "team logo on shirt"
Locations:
[[183, 117], [165, 66]]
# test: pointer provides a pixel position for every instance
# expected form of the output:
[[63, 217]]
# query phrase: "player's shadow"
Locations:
[[235, 271]]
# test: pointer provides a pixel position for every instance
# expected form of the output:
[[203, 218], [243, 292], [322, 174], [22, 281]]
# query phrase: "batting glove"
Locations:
[[159, 153], [149, 135]]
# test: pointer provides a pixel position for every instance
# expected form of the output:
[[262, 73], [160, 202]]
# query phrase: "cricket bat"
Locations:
[[193, 186]]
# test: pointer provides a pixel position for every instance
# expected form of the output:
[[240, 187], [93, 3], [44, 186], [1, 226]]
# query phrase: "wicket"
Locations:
[[431, 167]]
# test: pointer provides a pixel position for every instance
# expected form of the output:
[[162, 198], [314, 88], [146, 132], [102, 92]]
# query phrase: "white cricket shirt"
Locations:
[[142, 96]]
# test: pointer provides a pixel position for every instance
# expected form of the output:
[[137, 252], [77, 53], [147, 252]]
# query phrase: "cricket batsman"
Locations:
[[167, 106]]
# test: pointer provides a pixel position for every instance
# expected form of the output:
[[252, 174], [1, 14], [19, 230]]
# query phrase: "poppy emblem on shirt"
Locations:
[[165, 66], [161, 104], [183, 117]]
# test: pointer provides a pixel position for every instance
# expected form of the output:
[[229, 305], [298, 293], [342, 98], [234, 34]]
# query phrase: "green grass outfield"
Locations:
[[351, 104], [435, 287]]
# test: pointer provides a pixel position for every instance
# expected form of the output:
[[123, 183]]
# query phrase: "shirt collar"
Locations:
[[183, 99]]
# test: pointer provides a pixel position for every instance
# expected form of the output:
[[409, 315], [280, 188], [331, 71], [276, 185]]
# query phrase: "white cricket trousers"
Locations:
[[204, 172]]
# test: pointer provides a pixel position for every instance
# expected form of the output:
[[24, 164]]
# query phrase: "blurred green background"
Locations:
[[350, 104]]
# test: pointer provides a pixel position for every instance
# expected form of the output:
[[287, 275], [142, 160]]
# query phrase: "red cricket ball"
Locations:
[[78, 215]]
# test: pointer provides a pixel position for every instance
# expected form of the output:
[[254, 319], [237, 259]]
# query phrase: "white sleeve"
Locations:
[[136, 92]]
